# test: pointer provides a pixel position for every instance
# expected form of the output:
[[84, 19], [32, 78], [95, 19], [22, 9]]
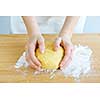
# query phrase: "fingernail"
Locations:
[[39, 69], [61, 68], [57, 46], [42, 51], [61, 64]]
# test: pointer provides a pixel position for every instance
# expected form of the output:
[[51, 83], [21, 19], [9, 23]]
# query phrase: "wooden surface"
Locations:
[[12, 46]]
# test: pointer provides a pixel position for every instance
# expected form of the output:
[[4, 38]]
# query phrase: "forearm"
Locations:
[[69, 25], [31, 25]]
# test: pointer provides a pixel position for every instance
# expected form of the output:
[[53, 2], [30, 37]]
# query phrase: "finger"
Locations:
[[41, 45], [67, 63], [35, 60], [32, 64], [66, 56], [32, 56], [69, 60], [57, 43]]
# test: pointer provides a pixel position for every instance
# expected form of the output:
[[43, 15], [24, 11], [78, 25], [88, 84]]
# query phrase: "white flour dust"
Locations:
[[80, 64]]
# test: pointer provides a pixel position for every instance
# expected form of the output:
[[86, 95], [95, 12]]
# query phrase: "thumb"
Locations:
[[41, 45], [57, 43]]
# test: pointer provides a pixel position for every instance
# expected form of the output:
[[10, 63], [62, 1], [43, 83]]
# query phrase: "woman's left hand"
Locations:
[[66, 43]]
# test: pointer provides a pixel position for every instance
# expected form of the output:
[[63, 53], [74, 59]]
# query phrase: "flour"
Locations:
[[80, 64], [21, 61]]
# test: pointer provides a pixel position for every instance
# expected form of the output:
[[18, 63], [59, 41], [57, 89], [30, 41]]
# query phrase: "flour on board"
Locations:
[[80, 64]]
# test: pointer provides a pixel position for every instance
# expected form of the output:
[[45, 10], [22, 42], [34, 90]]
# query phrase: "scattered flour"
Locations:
[[21, 62], [80, 64]]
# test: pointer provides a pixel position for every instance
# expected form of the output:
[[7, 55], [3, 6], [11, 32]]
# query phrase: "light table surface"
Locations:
[[12, 46]]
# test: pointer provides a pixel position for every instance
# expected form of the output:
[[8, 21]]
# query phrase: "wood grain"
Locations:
[[12, 46]]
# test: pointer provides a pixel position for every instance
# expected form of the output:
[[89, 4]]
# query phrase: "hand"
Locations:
[[30, 53], [65, 42]]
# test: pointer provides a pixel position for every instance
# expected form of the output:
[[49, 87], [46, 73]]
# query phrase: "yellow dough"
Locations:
[[50, 59]]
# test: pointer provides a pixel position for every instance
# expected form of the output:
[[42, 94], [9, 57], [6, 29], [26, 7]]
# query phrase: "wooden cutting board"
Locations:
[[12, 46]]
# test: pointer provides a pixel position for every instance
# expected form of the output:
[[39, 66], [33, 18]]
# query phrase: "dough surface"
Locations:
[[50, 59]]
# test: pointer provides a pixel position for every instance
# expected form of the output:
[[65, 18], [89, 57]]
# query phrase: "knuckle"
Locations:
[[35, 60]]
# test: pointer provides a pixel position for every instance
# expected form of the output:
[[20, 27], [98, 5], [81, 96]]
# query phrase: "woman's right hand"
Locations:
[[34, 40]]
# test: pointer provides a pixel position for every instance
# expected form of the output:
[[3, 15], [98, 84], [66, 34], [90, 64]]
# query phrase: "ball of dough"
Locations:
[[50, 59]]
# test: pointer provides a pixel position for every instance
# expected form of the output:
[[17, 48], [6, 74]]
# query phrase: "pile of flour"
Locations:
[[80, 64]]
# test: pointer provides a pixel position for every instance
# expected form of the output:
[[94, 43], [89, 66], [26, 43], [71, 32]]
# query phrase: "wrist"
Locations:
[[66, 35], [34, 34]]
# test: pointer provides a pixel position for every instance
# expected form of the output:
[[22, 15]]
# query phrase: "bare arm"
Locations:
[[35, 38], [31, 25], [64, 39], [69, 25]]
